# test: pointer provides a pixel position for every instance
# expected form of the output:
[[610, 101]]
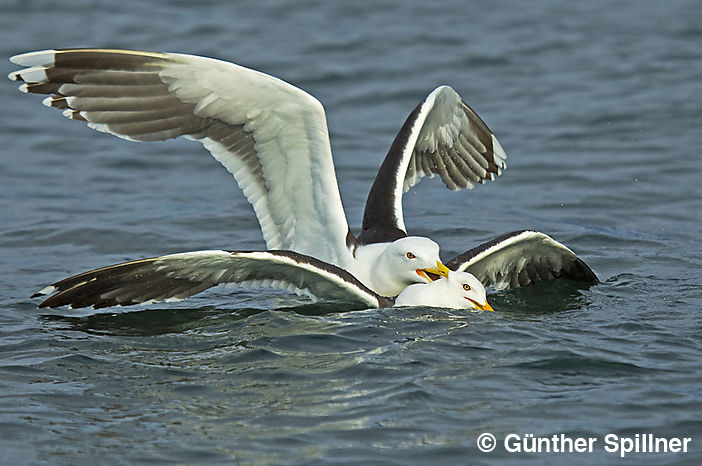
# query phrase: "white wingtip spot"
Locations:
[[46, 290], [40, 58], [499, 152], [23, 88], [35, 74]]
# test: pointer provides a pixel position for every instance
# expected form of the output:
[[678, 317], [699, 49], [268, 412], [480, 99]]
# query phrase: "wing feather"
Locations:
[[442, 136], [522, 258], [178, 276], [270, 135]]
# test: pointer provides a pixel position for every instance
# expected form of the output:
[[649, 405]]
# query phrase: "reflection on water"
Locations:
[[543, 298], [161, 321]]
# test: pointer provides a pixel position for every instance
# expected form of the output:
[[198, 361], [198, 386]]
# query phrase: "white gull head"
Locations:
[[404, 262], [388, 268], [459, 290]]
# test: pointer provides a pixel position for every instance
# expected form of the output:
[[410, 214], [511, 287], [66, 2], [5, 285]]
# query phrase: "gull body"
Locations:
[[273, 138]]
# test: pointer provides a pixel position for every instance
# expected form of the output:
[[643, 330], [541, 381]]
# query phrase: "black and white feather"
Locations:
[[271, 136], [442, 136], [522, 258], [178, 276]]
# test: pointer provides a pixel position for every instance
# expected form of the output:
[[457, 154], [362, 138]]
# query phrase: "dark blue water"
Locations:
[[598, 107]]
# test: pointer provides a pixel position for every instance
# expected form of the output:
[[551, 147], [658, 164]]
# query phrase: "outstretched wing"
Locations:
[[442, 136], [269, 134], [522, 258], [178, 276]]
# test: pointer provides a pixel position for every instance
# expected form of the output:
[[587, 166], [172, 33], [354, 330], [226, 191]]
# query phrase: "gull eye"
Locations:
[[410, 256], [466, 286]]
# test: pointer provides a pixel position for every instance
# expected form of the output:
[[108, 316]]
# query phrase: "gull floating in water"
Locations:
[[273, 138], [178, 276]]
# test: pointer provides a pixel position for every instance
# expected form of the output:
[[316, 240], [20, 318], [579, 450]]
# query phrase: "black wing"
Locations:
[[442, 136], [522, 258]]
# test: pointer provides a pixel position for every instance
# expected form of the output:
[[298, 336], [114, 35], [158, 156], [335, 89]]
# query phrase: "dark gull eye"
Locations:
[[410, 256], [466, 286]]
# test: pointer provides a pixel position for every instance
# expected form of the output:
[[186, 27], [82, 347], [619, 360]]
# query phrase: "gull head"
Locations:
[[459, 290], [409, 260], [468, 291]]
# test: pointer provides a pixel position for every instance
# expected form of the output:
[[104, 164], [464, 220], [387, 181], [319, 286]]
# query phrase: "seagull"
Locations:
[[273, 138], [458, 290], [177, 276]]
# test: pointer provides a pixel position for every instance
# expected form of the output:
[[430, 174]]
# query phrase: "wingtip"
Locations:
[[499, 152], [47, 290], [32, 74], [14, 76], [585, 273], [38, 58]]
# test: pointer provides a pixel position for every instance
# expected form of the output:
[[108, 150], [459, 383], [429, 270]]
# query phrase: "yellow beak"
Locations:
[[440, 270], [487, 307], [482, 307]]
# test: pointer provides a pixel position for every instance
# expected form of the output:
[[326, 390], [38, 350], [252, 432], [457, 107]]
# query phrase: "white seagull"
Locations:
[[273, 138], [178, 276]]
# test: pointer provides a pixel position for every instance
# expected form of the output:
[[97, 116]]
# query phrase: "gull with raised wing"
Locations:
[[273, 138]]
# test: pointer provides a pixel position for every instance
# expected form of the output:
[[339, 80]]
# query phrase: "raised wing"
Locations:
[[522, 258], [269, 134], [178, 276], [442, 136]]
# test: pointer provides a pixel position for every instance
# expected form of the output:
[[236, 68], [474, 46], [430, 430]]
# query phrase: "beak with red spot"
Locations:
[[432, 274]]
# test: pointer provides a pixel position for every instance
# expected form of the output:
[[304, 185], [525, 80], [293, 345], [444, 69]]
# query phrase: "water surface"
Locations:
[[597, 105]]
